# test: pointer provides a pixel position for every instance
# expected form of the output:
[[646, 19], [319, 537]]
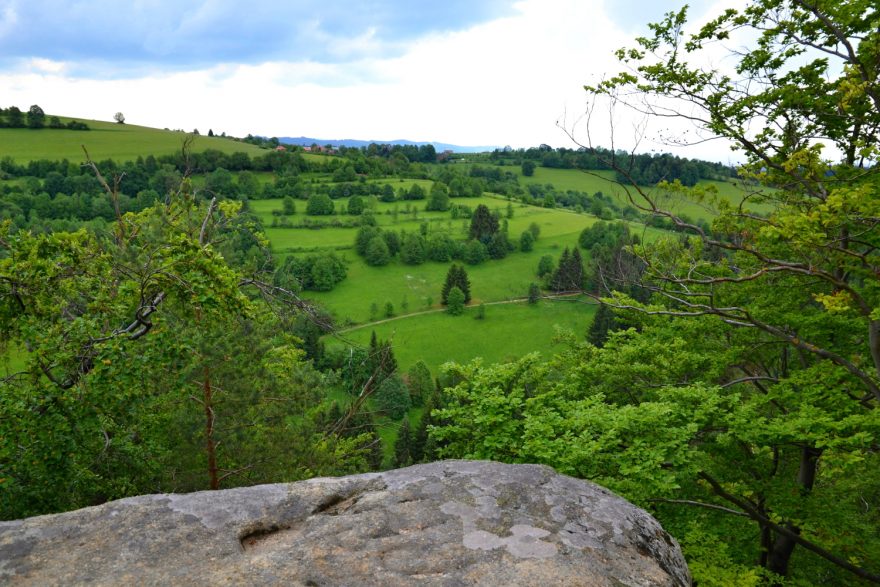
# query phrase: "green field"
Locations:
[[420, 285], [508, 331], [107, 140], [604, 181]]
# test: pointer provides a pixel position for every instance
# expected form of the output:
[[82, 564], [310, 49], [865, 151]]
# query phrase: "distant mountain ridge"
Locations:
[[306, 141]]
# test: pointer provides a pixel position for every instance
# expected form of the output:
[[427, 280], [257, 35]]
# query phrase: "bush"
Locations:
[[526, 242]]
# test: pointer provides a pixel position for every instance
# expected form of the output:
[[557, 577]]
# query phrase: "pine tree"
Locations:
[[575, 271], [534, 293], [483, 224], [403, 446], [560, 277], [455, 302], [456, 277]]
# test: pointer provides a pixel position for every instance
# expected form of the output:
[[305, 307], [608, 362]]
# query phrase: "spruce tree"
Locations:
[[483, 224], [560, 280], [575, 271], [456, 277], [403, 446]]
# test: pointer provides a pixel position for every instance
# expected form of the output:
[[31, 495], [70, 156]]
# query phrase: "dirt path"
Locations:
[[410, 315]]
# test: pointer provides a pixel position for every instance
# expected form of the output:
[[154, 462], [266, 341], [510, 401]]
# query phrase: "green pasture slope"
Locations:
[[420, 285], [106, 140], [604, 181], [508, 331]]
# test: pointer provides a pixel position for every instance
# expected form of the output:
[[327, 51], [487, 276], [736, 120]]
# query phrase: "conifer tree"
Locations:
[[560, 275], [403, 446], [575, 271], [456, 277], [483, 224]]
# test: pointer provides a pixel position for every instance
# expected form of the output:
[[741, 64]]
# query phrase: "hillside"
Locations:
[[106, 140]]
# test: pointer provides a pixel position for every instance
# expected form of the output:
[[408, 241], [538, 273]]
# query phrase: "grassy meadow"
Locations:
[[106, 140], [604, 181], [523, 328]]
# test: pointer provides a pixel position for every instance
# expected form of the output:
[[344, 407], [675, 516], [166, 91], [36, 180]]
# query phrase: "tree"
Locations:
[[377, 252], [392, 397], [355, 205], [498, 246], [119, 391], [484, 225], [414, 250], [221, 183], [438, 200], [119, 117], [545, 265], [36, 118], [392, 239], [474, 252], [440, 247], [363, 237], [456, 277], [785, 284], [526, 241], [288, 206], [569, 274], [455, 302], [415, 192], [535, 230], [403, 446], [420, 383], [534, 293], [319, 205], [248, 186], [528, 168], [14, 117]]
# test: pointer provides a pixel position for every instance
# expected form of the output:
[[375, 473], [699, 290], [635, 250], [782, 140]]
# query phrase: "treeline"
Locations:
[[644, 169], [35, 118]]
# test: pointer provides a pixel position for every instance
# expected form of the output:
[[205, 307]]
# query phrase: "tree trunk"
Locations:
[[210, 445], [782, 546]]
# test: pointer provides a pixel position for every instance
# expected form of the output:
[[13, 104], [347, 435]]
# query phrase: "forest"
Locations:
[[211, 318]]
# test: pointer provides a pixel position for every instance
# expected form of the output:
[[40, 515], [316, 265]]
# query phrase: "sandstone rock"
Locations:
[[446, 523]]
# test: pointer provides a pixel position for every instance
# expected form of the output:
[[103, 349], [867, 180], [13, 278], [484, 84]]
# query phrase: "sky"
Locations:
[[467, 72]]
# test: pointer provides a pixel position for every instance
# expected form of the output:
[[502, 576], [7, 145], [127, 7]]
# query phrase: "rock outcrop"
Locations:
[[445, 523]]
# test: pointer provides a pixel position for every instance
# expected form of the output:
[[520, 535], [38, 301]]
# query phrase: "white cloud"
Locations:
[[502, 82]]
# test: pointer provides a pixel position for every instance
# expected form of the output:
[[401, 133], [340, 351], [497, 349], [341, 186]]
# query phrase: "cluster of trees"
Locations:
[[320, 272], [157, 359], [35, 118], [569, 274], [486, 240], [738, 399]]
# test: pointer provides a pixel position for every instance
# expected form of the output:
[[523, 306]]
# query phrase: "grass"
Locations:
[[508, 331], [106, 140], [604, 181], [420, 285]]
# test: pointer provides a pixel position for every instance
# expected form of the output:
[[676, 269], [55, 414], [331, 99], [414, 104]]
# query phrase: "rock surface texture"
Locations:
[[445, 523]]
